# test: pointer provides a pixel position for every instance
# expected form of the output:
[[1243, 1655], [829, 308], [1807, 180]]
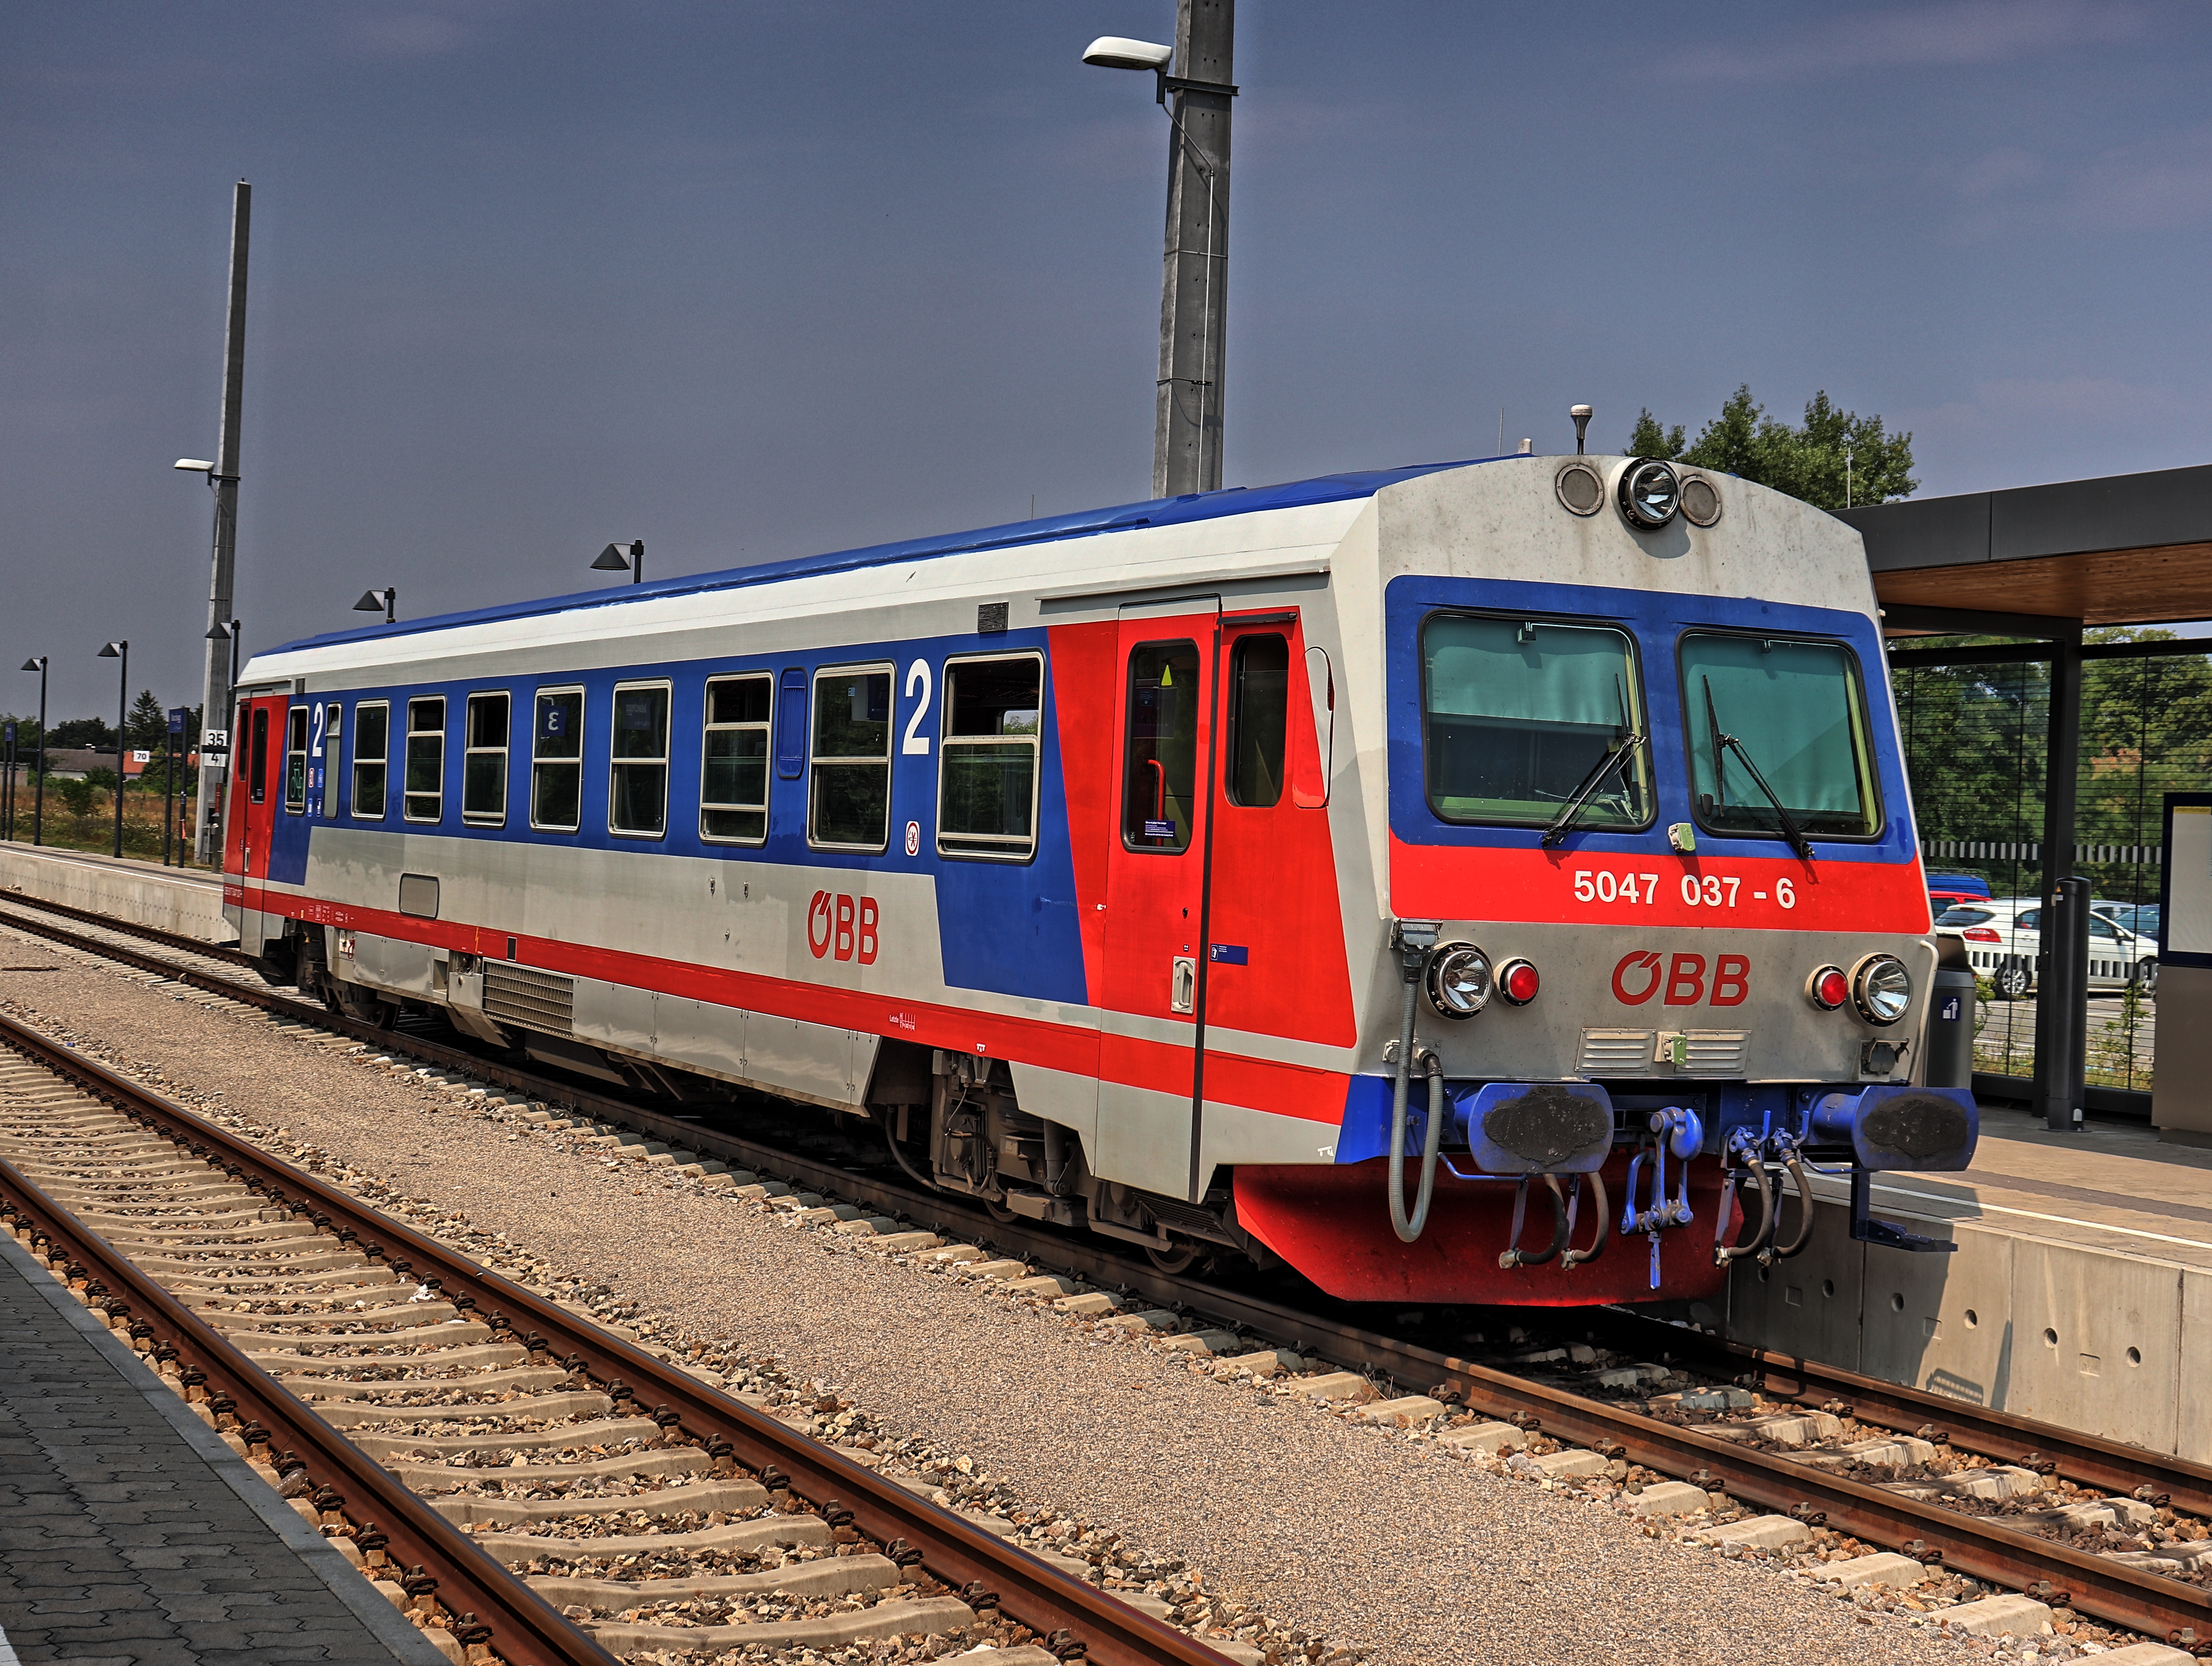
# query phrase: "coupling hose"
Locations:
[[1576, 1257], [1783, 1251], [1768, 1214]]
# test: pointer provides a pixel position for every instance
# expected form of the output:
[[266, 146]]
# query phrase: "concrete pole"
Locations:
[[1194, 282], [2061, 996], [215, 697]]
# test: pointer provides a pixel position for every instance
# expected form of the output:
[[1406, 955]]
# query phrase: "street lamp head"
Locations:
[[195, 465], [1114, 51], [218, 633], [372, 601], [612, 559], [36, 662], [112, 651]]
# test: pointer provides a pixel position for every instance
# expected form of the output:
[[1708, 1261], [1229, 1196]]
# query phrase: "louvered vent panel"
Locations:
[[1714, 1052], [1615, 1053], [534, 999]]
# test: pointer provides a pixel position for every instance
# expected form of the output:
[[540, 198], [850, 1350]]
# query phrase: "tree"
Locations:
[[1837, 460], [91, 732], [148, 725]]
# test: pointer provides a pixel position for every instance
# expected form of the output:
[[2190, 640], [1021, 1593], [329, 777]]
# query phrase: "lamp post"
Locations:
[[11, 783], [387, 599], [1193, 285], [120, 652], [38, 662], [623, 558]]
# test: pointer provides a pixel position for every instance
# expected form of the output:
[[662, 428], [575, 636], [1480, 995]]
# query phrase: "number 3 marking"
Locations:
[[918, 672]]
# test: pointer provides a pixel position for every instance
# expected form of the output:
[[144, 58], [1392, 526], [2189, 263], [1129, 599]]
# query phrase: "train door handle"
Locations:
[[1182, 985]]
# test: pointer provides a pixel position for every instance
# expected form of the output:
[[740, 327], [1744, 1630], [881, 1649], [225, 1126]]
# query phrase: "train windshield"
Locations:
[[1515, 714], [1772, 719]]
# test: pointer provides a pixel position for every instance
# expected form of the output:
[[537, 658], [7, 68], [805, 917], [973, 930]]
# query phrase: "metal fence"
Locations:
[[1975, 737]]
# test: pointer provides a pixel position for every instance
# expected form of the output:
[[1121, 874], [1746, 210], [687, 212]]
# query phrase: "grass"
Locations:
[[94, 830]]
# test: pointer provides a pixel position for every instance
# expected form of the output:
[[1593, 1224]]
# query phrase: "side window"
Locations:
[[484, 761], [556, 761], [734, 763], [2030, 921], [1159, 773], [295, 760], [423, 792], [637, 798], [987, 782], [333, 732], [372, 730], [849, 800], [1259, 707], [257, 780]]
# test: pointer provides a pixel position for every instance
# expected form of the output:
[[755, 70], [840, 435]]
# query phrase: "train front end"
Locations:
[[1654, 951]]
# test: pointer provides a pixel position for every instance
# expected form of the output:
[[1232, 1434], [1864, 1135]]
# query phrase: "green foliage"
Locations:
[[99, 778], [1836, 456], [74, 796], [148, 725], [82, 731]]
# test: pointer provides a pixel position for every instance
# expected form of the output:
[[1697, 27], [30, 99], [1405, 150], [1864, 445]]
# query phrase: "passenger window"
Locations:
[[372, 727], [849, 803], [295, 760], [2031, 920], [257, 783], [988, 758], [484, 761], [423, 792], [556, 761], [734, 765], [1160, 770], [1258, 706], [637, 798]]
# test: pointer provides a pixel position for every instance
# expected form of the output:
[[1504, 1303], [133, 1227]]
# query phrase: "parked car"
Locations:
[[2002, 939], [2141, 918]]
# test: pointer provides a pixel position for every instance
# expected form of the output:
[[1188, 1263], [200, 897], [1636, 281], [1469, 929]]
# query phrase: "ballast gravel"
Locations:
[[1363, 1536]]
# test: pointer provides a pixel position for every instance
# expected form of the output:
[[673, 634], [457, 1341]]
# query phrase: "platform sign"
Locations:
[[2184, 926]]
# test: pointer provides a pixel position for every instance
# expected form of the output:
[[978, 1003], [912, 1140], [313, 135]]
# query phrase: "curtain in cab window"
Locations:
[[1516, 713]]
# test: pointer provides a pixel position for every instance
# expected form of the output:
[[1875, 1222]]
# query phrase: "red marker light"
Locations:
[[1517, 981], [1829, 988]]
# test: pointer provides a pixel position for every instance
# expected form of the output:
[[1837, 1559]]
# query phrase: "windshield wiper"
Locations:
[[1573, 807], [1798, 841]]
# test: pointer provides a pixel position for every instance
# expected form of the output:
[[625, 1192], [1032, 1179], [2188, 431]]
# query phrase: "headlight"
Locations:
[[1882, 989], [1459, 980], [1650, 495]]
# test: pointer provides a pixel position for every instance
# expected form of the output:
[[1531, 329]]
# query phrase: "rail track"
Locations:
[[1874, 1460], [449, 1427]]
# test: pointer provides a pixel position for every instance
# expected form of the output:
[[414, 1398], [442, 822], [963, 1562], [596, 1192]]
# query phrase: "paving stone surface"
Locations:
[[124, 1537]]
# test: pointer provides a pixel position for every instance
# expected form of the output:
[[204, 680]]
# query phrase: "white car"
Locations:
[[2002, 939]]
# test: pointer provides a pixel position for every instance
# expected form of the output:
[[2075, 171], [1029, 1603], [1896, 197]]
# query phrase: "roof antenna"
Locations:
[[1582, 416]]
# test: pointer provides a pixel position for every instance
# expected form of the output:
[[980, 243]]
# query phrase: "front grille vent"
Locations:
[[1615, 1053], [1714, 1052], [534, 999]]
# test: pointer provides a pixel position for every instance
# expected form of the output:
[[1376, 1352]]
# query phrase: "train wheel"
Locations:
[[1175, 1258], [998, 1212]]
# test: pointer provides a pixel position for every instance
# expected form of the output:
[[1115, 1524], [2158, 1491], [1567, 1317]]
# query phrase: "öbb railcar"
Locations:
[[1170, 871]]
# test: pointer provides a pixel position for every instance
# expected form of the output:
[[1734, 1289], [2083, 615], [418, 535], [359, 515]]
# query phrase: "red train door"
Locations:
[[257, 770], [1157, 845]]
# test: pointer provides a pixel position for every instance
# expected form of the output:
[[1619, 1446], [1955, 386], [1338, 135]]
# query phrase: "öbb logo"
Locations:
[[1636, 977], [844, 925]]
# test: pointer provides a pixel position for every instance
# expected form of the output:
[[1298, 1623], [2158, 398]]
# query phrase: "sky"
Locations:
[[755, 280]]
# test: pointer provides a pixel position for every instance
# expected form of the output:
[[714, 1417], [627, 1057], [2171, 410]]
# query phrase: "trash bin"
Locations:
[[1949, 1054]]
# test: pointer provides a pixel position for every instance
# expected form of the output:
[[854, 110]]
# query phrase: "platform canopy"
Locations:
[[2127, 549]]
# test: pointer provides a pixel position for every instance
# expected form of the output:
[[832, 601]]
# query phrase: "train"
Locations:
[[1480, 883]]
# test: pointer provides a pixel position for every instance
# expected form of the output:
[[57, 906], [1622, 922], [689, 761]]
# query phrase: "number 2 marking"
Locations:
[[315, 746], [918, 672]]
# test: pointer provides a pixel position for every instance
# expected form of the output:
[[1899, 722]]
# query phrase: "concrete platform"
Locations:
[[186, 901], [2081, 1293], [129, 1532]]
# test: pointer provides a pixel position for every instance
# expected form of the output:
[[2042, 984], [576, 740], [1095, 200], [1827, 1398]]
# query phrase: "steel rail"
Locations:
[[2108, 1589], [957, 1553], [524, 1628], [131, 928], [2108, 1465]]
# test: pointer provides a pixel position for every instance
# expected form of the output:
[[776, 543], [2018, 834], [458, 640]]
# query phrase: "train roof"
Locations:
[[1159, 512]]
